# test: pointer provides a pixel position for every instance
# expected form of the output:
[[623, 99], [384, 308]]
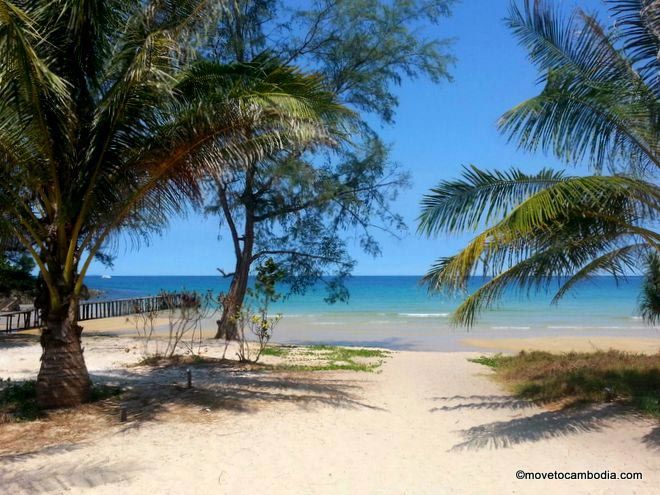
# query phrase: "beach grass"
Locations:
[[574, 378], [290, 358], [327, 358], [276, 351], [331, 366], [346, 353]]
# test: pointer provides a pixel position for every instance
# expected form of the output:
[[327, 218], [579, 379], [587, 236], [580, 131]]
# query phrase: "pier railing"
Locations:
[[13, 321]]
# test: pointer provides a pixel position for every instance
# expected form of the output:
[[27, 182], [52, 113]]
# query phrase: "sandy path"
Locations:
[[428, 423]]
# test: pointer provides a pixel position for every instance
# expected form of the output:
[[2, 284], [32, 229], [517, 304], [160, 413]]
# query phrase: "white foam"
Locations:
[[511, 328], [425, 315]]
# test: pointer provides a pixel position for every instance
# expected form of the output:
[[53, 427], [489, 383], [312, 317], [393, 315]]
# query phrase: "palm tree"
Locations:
[[599, 103], [107, 127]]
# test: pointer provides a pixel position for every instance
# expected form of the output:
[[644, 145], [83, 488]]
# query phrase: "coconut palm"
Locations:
[[107, 126], [599, 104]]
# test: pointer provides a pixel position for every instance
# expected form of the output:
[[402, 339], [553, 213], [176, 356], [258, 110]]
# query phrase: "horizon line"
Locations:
[[354, 275]]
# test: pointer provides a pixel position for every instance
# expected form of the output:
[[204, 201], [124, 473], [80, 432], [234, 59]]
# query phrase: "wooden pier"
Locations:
[[14, 321]]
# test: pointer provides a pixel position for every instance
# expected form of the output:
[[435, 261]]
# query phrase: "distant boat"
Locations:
[[106, 276]]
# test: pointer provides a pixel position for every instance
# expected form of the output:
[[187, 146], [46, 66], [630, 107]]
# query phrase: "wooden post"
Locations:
[[189, 376]]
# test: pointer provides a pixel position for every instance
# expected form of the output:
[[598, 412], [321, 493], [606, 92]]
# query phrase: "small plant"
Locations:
[[18, 401], [490, 361], [144, 320], [185, 313], [259, 324]]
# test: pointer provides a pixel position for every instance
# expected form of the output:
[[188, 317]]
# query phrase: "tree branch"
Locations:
[[294, 253], [222, 196]]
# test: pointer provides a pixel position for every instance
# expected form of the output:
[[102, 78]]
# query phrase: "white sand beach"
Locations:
[[405, 196], [425, 422]]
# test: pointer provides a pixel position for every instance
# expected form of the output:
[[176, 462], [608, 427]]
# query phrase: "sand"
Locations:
[[568, 344], [428, 422]]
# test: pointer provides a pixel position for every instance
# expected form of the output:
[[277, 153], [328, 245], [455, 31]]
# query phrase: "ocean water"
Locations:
[[397, 312]]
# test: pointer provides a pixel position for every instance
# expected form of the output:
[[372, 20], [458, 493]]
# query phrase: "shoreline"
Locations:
[[567, 344], [428, 339]]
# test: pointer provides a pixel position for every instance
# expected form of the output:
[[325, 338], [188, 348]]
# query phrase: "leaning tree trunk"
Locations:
[[63, 380], [227, 324], [233, 302]]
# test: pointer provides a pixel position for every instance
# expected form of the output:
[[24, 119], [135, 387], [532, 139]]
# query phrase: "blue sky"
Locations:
[[438, 129]]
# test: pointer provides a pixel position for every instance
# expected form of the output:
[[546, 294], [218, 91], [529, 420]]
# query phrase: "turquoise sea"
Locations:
[[397, 312]]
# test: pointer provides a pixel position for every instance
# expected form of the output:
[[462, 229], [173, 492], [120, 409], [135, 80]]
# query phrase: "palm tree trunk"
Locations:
[[63, 380]]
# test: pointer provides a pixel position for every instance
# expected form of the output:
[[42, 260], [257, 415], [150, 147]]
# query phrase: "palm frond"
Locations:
[[479, 197], [637, 22], [649, 302], [599, 104], [558, 42], [618, 263], [202, 130], [109, 126], [566, 229], [595, 105], [529, 201], [542, 269], [27, 82]]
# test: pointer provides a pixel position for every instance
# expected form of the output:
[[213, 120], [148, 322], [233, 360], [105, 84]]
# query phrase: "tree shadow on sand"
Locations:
[[544, 425], [234, 392], [62, 476], [228, 387], [160, 394], [492, 402], [652, 439]]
